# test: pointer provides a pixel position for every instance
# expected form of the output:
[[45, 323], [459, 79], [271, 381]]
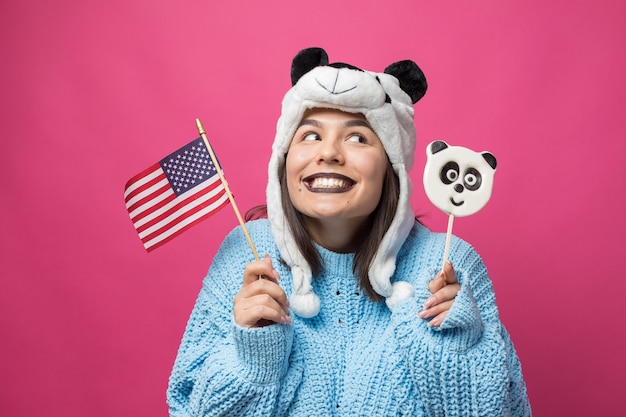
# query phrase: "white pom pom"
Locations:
[[400, 291], [305, 305]]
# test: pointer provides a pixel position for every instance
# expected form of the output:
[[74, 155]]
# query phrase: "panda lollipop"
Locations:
[[458, 181]]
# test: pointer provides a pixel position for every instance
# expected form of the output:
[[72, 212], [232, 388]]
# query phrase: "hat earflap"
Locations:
[[304, 302]]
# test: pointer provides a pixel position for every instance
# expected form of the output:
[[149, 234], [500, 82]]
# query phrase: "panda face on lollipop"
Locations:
[[458, 180]]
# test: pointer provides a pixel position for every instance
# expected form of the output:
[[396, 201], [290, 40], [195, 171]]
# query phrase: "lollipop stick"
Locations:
[[447, 248]]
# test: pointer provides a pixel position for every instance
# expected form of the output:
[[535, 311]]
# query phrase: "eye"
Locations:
[[357, 138], [472, 179], [310, 136], [449, 173]]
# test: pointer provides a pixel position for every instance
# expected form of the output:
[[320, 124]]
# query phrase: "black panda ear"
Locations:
[[411, 77], [437, 146], [305, 61], [491, 160]]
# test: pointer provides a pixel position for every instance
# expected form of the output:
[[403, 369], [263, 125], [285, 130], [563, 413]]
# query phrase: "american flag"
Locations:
[[174, 194]]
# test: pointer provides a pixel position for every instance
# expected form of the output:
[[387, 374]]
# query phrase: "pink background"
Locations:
[[92, 92]]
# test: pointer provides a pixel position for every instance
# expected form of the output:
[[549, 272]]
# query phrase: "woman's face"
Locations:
[[335, 166]]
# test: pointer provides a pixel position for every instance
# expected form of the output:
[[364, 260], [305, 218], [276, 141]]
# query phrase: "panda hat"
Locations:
[[386, 100]]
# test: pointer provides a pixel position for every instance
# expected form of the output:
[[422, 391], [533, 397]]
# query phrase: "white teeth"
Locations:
[[329, 183]]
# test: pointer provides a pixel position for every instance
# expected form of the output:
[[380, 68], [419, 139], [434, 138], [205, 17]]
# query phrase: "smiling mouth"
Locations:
[[455, 203], [328, 183]]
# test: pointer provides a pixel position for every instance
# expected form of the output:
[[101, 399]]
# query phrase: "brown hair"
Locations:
[[381, 219]]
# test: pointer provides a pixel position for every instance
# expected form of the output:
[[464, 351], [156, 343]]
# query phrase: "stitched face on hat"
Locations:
[[386, 101]]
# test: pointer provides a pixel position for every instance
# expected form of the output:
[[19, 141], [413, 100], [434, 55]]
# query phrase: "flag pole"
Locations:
[[230, 195]]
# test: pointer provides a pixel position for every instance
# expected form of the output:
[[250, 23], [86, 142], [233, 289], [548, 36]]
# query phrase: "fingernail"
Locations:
[[422, 314], [429, 302], [434, 322]]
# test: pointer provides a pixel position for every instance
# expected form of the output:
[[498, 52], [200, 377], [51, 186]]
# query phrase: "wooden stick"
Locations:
[[230, 195], [447, 249]]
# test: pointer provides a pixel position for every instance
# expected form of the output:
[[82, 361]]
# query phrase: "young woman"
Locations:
[[347, 314]]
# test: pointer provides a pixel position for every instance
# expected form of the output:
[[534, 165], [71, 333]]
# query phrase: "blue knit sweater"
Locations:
[[356, 358]]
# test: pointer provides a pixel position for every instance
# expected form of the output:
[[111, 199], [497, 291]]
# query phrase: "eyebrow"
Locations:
[[349, 123], [310, 122], [358, 122]]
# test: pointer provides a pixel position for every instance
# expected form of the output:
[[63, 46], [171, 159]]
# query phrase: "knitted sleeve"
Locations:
[[222, 368], [468, 365]]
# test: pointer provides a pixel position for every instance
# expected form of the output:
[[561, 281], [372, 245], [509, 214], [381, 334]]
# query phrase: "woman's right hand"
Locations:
[[261, 301]]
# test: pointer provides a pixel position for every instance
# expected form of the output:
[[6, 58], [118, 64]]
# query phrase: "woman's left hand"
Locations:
[[444, 288]]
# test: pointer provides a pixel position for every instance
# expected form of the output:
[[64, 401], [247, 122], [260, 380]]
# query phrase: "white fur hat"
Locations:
[[386, 100]]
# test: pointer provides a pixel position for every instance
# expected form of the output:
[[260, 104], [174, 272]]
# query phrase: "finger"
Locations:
[[437, 283], [446, 276], [449, 292], [262, 307], [436, 310], [436, 321], [261, 300], [261, 268], [258, 315], [264, 287], [449, 273]]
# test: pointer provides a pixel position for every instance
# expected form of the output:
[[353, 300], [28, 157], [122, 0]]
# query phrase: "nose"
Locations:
[[330, 152], [458, 188]]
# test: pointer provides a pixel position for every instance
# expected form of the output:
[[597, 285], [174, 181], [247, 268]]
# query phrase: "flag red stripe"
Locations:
[[151, 205], [145, 186], [177, 219], [142, 174], [151, 247], [180, 204]]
